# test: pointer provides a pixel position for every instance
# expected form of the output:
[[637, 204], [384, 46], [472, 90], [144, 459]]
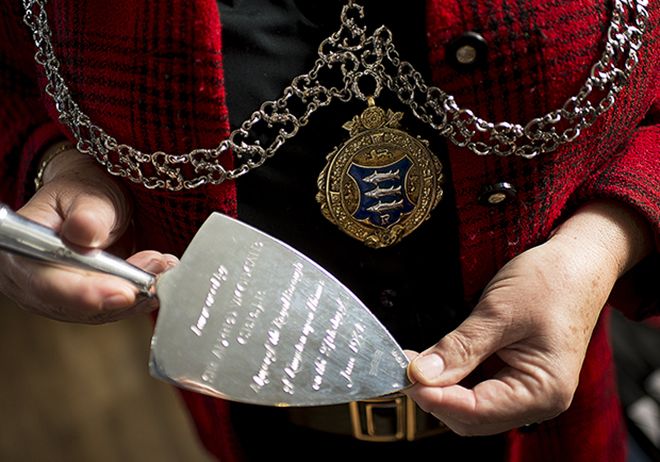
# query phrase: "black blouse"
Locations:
[[413, 287]]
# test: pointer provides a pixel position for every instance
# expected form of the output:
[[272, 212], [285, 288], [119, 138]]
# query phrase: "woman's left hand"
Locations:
[[536, 316]]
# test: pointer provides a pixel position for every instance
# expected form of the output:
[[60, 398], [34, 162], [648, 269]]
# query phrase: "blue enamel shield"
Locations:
[[383, 198]]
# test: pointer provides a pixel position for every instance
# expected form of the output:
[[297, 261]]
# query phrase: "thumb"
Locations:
[[95, 219], [459, 352], [91, 208]]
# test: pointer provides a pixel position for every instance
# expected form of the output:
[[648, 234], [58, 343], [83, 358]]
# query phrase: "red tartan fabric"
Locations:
[[539, 55], [577, 435], [151, 74]]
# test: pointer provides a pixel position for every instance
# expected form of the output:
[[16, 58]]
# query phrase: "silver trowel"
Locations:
[[245, 317]]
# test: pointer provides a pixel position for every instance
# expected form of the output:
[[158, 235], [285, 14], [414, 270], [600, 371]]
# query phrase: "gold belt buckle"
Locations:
[[363, 419]]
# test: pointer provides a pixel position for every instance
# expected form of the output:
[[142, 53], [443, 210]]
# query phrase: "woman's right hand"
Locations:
[[89, 209]]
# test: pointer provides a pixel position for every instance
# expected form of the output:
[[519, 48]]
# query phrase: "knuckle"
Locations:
[[89, 300], [560, 400], [461, 347], [563, 400], [424, 403]]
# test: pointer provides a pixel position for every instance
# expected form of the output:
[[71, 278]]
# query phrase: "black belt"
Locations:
[[388, 419]]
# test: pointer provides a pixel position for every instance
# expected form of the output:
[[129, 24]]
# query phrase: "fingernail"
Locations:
[[116, 301], [429, 366], [171, 260], [155, 265]]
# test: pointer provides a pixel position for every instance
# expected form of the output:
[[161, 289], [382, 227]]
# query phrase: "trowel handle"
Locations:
[[25, 237]]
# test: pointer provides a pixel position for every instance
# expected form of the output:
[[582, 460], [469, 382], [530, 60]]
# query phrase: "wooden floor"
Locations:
[[83, 393]]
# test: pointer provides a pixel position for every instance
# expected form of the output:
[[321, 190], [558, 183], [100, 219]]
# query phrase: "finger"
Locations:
[[90, 222], [152, 261], [462, 350], [511, 400], [83, 218], [94, 218], [461, 422], [82, 296], [410, 354], [70, 294], [43, 211], [80, 201]]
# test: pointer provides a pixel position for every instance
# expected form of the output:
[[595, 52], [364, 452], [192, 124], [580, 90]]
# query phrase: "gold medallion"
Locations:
[[382, 183]]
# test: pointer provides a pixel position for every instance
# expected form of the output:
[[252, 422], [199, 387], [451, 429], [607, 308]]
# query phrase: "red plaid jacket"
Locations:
[[151, 74]]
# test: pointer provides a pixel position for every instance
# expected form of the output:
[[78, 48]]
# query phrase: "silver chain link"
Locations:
[[355, 59]]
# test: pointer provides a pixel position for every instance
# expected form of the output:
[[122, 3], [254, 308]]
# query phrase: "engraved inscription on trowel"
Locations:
[[214, 284], [285, 365], [296, 363], [267, 325]]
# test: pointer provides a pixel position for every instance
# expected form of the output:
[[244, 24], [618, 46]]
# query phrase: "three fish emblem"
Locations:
[[382, 183]]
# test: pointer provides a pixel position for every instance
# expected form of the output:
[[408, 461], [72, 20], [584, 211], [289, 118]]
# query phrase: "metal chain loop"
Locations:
[[351, 57]]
